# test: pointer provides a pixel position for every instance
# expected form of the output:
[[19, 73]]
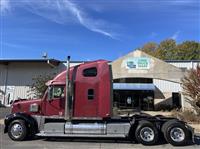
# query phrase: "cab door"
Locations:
[[86, 91], [55, 101]]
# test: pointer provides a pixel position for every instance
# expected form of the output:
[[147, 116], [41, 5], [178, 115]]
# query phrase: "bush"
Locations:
[[191, 89], [188, 116]]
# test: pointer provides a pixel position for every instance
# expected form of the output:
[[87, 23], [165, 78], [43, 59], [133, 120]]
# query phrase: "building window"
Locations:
[[183, 69], [90, 72]]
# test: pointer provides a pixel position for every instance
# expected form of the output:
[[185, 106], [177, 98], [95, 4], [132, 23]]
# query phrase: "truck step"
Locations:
[[43, 134]]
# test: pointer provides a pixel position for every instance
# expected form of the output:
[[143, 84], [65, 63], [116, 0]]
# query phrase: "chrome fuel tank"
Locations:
[[85, 128]]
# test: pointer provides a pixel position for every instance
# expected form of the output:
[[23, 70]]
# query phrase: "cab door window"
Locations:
[[57, 92]]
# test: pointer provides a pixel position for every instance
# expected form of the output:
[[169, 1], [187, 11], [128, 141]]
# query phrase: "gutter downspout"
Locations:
[[67, 96], [50, 64], [5, 85]]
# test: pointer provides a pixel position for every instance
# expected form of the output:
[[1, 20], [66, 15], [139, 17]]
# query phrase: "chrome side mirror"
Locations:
[[49, 89]]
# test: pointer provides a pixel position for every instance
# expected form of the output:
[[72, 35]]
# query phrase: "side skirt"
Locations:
[[42, 134]]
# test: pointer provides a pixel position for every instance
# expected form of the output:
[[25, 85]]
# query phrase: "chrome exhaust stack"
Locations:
[[67, 115]]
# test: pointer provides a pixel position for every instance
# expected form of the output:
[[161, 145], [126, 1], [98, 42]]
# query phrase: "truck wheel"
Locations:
[[176, 134], [146, 133], [17, 130], [166, 124]]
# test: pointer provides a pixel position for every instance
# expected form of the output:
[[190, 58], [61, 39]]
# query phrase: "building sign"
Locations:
[[138, 63]]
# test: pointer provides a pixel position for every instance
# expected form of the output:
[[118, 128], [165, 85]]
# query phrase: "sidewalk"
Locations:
[[4, 112], [1, 121], [194, 125]]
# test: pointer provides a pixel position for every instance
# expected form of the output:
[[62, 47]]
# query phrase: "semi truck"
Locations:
[[78, 102]]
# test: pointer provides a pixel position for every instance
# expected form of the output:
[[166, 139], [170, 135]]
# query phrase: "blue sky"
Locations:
[[93, 29]]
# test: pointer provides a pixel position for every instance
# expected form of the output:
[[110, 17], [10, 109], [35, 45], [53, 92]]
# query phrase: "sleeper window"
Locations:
[[90, 72], [90, 94]]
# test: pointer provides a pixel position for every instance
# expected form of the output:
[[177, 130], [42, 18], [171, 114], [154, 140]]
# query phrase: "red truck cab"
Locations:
[[91, 89]]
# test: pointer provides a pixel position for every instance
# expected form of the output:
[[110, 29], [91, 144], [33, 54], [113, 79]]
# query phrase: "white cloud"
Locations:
[[182, 1], [91, 24], [4, 6], [175, 35], [153, 35], [62, 12]]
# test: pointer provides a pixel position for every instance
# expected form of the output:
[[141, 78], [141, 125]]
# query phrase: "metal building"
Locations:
[[145, 82]]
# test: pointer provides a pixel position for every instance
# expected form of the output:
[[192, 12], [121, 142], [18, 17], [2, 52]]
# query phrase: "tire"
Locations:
[[146, 133], [17, 130], [131, 136], [176, 133], [166, 124]]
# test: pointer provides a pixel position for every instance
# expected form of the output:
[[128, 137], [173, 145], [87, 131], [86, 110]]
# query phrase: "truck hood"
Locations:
[[23, 105]]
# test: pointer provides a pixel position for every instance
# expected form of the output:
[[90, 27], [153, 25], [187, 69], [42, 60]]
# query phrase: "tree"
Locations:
[[165, 49], [191, 88], [150, 47], [188, 50], [39, 87], [169, 50]]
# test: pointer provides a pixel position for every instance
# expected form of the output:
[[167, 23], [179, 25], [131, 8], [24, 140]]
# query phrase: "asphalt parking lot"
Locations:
[[4, 112], [63, 143]]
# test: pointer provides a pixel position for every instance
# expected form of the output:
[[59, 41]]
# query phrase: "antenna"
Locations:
[[45, 55]]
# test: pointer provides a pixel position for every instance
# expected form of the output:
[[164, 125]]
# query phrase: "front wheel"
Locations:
[[17, 130], [146, 133]]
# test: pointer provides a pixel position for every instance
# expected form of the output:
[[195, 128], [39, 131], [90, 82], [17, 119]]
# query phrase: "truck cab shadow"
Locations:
[[108, 140], [96, 140], [92, 140]]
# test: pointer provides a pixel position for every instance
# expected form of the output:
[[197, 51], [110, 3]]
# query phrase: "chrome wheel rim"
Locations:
[[177, 134], [147, 134], [16, 130]]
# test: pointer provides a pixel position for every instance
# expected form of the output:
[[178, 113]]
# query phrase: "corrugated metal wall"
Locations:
[[19, 78], [187, 64], [167, 86], [2, 82]]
